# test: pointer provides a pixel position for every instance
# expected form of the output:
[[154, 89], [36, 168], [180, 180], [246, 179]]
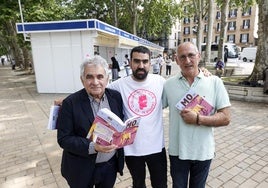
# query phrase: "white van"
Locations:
[[248, 54]]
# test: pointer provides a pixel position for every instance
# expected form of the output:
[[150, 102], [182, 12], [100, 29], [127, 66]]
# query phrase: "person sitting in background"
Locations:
[[220, 67]]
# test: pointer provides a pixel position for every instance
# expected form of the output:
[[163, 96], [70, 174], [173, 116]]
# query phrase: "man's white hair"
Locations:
[[95, 60]]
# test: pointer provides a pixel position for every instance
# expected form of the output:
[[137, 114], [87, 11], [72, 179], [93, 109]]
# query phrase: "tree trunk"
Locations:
[[224, 12], [210, 29], [16, 52], [134, 16], [261, 62], [26, 56], [115, 14], [199, 8], [200, 24]]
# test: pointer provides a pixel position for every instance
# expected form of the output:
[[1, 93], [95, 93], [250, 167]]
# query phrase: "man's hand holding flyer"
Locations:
[[108, 129], [53, 116], [195, 102]]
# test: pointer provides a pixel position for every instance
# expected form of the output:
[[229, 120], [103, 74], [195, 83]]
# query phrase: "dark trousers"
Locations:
[[157, 165], [105, 174], [180, 170], [114, 74], [160, 71], [168, 70]]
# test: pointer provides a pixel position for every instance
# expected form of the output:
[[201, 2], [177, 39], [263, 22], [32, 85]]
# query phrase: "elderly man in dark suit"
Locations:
[[84, 163]]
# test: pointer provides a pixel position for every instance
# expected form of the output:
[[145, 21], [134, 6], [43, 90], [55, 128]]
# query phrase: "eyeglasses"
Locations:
[[190, 56]]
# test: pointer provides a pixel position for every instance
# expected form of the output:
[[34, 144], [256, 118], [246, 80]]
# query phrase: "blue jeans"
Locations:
[[157, 165], [180, 170]]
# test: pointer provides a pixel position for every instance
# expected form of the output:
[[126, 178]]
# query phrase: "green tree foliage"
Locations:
[[157, 17], [199, 10], [32, 10], [145, 18], [149, 19], [8, 17], [84, 9], [6, 14]]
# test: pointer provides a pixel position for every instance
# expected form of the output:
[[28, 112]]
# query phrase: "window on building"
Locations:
[[195, 19], [217, 39], [218, 27], [246, 12], [244, 38], [231, 38], [185, 9], [233, 13], [218, 15], [205, 40], [186, 30], [186, 20], [206, 28], [175, 44], [186, 39], [246, 24], [231, 26], [175, 35]]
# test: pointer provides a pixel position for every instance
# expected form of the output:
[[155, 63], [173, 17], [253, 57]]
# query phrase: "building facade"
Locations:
[[174, 39], [241, 27]]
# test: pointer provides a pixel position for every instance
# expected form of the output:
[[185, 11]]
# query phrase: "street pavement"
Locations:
[[31, 157]]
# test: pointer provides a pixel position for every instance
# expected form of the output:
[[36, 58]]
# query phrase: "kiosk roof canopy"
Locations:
[[81, 25]]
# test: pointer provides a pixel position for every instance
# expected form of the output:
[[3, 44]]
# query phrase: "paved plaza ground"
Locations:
[[31, 157]]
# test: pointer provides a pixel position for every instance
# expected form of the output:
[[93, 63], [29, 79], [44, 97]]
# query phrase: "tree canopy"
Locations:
[[150, 19]]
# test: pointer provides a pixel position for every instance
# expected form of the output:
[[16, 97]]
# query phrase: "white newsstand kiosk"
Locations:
[[59, 47]]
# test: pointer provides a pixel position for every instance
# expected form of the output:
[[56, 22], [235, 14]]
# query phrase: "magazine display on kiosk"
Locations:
[[109, 129], [192, 100]]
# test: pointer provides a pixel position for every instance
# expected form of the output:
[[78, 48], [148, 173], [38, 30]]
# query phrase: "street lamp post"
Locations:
[[22, 22]]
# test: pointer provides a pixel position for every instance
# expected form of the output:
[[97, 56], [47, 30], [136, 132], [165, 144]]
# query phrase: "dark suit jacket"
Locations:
[[74, 121]]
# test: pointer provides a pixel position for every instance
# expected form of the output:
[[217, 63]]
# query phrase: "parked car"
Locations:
[[248, 54]]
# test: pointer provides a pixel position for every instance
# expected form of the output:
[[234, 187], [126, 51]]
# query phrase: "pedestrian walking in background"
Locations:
[[156, 67], [225, 55], [115, 69], [3, 61], [161, 63], [126, 64], [13, 64], [168, 66]]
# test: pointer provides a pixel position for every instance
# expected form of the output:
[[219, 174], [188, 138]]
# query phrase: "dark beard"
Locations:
[[140, 76]]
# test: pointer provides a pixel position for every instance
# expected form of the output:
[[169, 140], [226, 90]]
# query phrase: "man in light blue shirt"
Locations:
[[191, 139]]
